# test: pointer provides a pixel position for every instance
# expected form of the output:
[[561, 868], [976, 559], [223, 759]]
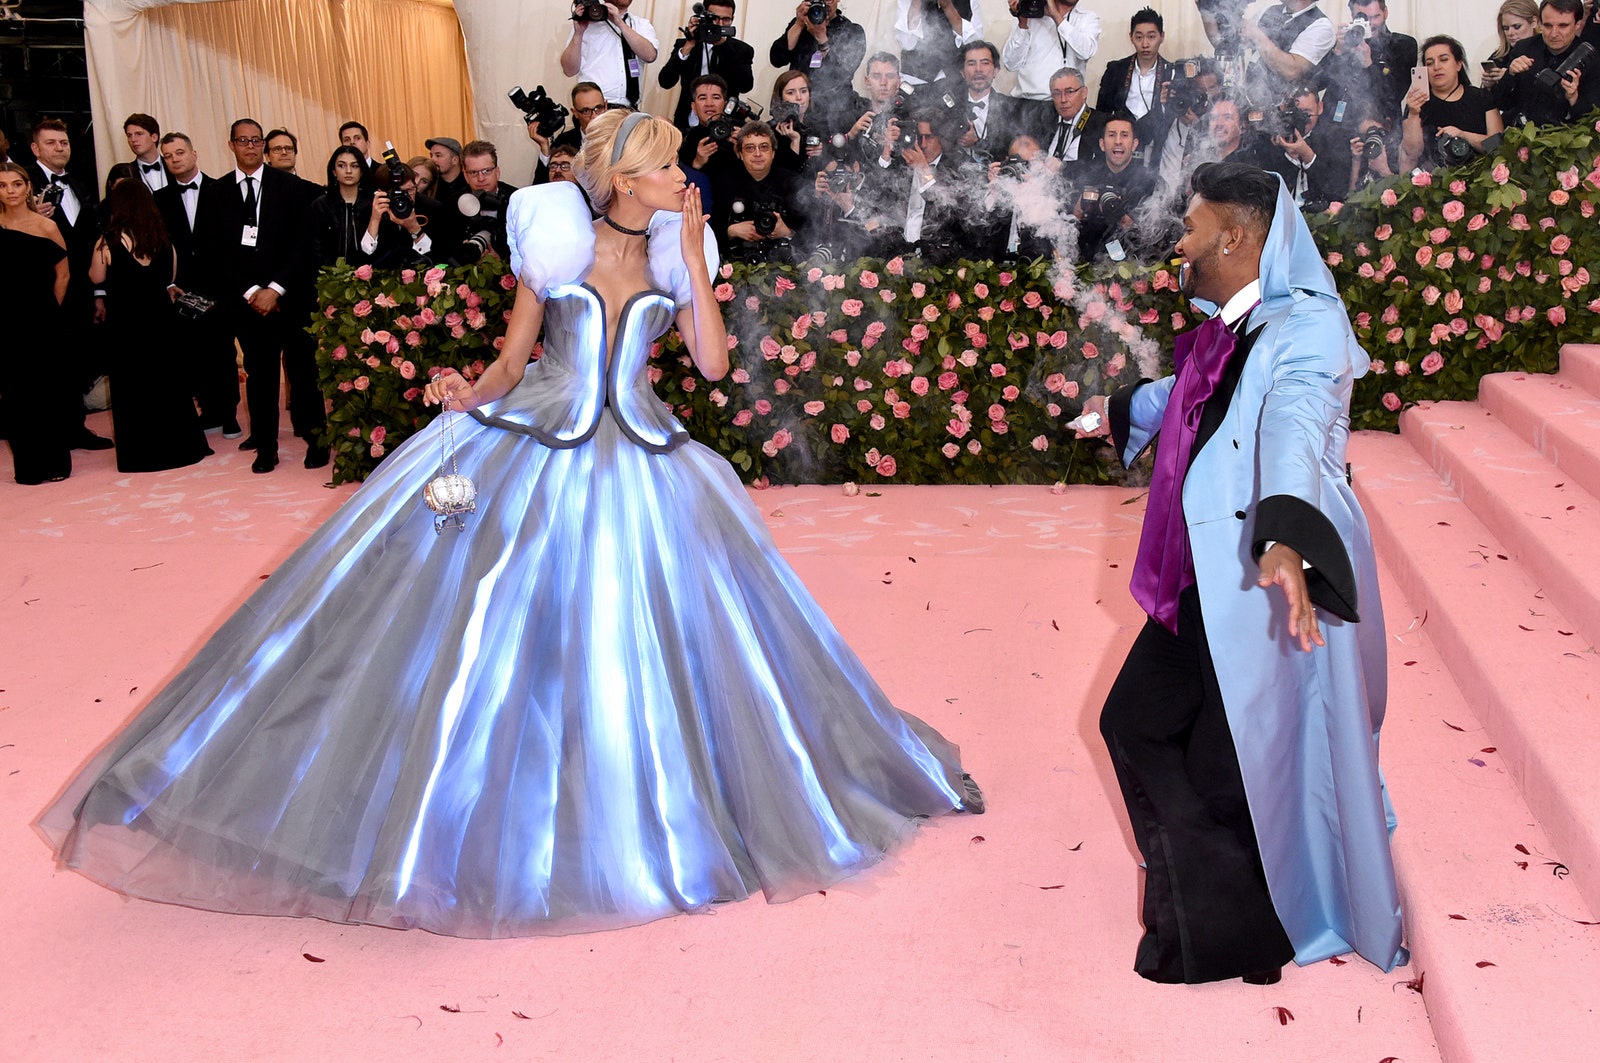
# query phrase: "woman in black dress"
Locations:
[[153, 422], [41, 418], [1446, 123]]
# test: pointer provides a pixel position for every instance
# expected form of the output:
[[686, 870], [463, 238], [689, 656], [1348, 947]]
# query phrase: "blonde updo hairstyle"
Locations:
[[651, 145]]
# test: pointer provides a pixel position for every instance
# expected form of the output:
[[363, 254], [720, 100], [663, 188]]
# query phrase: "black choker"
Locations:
[[623, 228]]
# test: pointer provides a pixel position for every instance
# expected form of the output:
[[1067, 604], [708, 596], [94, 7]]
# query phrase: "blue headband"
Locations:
[[629, 124]]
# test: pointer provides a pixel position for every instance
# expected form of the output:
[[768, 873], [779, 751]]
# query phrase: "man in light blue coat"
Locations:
[[1244, 724]]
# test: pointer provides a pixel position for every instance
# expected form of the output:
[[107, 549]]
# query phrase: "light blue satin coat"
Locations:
[[1305, 724]]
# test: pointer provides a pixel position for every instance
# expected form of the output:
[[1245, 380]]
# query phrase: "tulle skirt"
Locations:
[[609, 699]]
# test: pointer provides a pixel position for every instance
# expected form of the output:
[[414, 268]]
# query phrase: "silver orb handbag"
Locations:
[[450, 495]]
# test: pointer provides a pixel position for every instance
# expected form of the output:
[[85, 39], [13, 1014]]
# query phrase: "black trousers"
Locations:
[[213, 366], [266, 340], [1207, 913]]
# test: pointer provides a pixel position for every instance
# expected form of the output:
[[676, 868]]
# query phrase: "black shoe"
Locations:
[[231, 429], [249, 444], [87, 440], [316, 457], [264, 462], [1271, 977]]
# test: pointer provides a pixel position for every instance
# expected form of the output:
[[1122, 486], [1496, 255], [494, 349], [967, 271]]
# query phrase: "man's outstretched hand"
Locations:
[[1285, 567]]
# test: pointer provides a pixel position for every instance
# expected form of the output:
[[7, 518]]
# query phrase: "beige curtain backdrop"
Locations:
[[397, 66]]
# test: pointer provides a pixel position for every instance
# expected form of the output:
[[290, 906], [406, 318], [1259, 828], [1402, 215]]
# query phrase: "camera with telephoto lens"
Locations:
[[401, 205], [817, 12], [1031, 9], [724, 126], [590, 11], [1287, 120], [539, 110], [706, 30], [1105, 200], [1373, 145], [1357, 31], [1576, 59]]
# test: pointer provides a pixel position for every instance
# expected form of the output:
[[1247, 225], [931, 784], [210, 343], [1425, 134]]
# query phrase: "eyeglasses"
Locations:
[[1061, 94], [561, 167], [485, 172], [590, 112], [249, 142], [281, 149]]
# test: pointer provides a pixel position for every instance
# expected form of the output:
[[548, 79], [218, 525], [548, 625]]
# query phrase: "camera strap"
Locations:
[[630, 65]]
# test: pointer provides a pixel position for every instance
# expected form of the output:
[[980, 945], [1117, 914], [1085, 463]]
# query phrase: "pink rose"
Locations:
[[1391, 401], [1091, 351], [868, 279], [1069, 390], [1557, 315], [814, 407], [362, 383], [1519, 222], [508, 282], [340, 352], [1395, 335], [918, 290], [1032, 300], [1006, 277], [1402, 368], [974, 447], [362, 309], [981, 290], [344, 385], [763, 407], [896, 266], [1453, 302], [886, 465], [1560, 243], [1383, 232], [1422, 178], [1424, 255], [1334, 258], [781, 386], [364, 273], [1010, 392], [997, 370], [1432, 362], [1559, 197], [376, 450], [839, 433], [950, 450], [886, 294], [852, 307], [930, 313], [742, 418], [1388, 198], [782, 286], [1430, 295], [1454, 210], [957, 427], [1501, 173], [947, 381], [875, 422], [919, 385]]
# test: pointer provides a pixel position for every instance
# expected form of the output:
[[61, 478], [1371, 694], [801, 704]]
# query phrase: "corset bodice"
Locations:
[[563, 395]]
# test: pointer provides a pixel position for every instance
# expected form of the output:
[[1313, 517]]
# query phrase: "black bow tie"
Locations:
[[149, 167], [190, 187], [57, 179]]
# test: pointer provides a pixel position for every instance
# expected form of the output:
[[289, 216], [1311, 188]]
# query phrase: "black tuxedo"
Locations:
[[77, 308], [1087, 128], [733, 61], [166, 173], [207, 341], [281, 257], [1007, 117], [1115, 85]]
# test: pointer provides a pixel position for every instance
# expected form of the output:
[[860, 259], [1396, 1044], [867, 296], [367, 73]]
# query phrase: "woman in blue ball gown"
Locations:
[[608, 700]]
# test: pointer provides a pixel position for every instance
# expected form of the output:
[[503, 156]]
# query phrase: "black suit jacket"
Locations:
[[79, 235], [282, 254], [191, 271], [1152, 129], [733, 61], [1007, 117]]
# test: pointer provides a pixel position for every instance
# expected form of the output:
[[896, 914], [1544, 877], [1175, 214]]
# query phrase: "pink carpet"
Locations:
[[999, 614]]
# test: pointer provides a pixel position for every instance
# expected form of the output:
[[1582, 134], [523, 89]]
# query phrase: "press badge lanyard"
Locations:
[[247, 236]]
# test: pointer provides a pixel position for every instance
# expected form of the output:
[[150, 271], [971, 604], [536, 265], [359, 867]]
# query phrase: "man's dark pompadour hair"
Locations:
[[1249, 190]]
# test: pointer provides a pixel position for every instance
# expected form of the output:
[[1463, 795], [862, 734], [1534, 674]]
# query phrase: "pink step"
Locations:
[[1580, 365], [1544, 520], [1554, 415], [1466, 899], [1535, 687]]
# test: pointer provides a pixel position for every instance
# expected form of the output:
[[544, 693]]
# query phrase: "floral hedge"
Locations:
[[903, 372], [1469, 271]]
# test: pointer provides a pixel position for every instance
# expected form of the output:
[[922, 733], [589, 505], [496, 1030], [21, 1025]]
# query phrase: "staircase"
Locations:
[[1487, 517]]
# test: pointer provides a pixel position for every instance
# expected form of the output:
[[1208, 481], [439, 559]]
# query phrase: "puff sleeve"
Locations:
[[551, 236], [667, 266]]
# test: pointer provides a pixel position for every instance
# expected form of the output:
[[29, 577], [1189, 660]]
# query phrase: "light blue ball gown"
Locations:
[[608, 700]]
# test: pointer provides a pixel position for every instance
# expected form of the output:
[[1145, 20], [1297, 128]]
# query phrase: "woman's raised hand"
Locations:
[[694, 227]]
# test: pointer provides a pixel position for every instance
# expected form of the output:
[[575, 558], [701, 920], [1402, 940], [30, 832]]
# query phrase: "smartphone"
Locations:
[[1419, 77], [1488, 65]]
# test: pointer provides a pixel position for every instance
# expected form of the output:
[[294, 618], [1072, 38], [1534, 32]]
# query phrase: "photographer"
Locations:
[[611, 48], [1302, 153], [827, 47], [1534, 88], [843, 229], [708, 145], [1370, 150], [873, 121], [1448, 122], [930, 33], [995, 118], [1134, 84], [924, 198], [1060, 34], [1110, 190], [350, 223], [1072, 138], [707, 45], [483, 221], [800, 128], [1369, 60], [1025, 205], [757, 212], [1190, 98]]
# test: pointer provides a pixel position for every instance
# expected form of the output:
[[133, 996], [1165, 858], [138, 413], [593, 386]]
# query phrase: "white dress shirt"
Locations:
[[155, 180], [1038, 51], [190, 197], [600, 57], [68, 205], [238, 181]]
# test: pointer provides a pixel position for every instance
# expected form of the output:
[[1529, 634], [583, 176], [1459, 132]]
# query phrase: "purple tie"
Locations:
[[1164, 566]]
